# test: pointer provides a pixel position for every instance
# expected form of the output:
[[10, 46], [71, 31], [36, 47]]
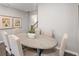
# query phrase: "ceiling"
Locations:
[[21, 6]]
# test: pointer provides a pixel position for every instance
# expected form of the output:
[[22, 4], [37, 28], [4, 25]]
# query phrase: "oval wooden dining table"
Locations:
[[39, 42]]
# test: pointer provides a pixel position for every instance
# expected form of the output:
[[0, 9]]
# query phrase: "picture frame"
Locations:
[[5, 22], [16, 22]]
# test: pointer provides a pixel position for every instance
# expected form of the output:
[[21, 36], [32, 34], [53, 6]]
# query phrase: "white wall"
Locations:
[[78, 26], [60, 18], [15, 13]]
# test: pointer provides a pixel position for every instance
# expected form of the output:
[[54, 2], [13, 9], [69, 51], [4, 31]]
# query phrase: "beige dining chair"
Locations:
[[48, 33], [37, 31], [55, 51], [2, 49], [15, 45], [17, 30], [63, 44], [4, 36]]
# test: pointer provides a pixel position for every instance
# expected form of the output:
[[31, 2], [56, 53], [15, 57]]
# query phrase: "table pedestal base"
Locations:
[[39, 51]]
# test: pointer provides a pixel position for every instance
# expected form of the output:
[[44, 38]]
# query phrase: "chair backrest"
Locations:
[[17, 30], [4, 35], [15, 45], [63, 44], [37, 31], [48, 33]]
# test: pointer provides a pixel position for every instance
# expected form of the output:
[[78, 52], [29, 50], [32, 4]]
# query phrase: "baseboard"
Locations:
[[74, 53]]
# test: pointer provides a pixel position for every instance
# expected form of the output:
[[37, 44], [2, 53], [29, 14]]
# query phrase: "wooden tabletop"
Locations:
[[40, 42]]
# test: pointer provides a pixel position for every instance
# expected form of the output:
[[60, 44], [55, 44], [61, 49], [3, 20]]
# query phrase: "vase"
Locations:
[[31, 35]]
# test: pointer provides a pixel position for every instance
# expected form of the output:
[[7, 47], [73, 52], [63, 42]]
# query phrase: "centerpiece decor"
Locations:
[[31, 32]]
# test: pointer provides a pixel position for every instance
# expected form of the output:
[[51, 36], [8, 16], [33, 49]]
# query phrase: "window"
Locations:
[[33, 19]]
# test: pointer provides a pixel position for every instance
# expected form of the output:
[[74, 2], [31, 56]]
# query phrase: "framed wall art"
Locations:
[[16, 22], [5, 22]]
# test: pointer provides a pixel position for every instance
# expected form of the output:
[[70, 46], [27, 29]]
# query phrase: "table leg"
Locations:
[[39, 51]]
